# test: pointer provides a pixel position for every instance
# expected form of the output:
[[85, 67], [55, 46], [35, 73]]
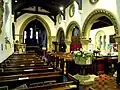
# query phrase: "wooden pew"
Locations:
[[13, 71], [102, 64], [23, 64], [66, 60], [23, 56], [108, 63], [21, 77], [26, 66], [56, 61], [22, 60], [34, 81]]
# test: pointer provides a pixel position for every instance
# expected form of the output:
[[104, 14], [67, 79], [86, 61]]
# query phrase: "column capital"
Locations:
[[68, 42], [117, 39], [85, 41], [52, 38]]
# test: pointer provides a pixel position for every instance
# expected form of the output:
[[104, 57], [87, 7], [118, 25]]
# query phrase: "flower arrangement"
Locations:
[[83, 58]]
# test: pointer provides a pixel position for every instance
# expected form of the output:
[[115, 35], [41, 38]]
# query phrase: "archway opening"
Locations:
[[101, 22], [35, 36], [75, 39], [73, 36], [61, 41], [107, 18], [102, 33]]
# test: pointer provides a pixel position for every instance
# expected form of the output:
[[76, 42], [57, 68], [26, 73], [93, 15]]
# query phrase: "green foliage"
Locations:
[[83, 57], [83, 54]]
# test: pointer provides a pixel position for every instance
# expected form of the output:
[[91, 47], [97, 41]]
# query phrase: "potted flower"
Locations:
[[83, 58]]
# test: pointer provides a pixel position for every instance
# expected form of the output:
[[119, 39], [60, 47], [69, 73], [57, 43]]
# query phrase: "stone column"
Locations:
[[52, 39], [68, 46], [48, 43], [20, 38], [84, 43], [117, 39]]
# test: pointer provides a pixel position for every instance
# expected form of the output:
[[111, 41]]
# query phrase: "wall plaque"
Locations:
[[93, 1], [71, 10]]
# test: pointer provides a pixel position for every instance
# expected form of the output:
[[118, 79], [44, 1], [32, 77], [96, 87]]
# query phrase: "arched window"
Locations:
[[25, 35], [76, 31], [35, 35]]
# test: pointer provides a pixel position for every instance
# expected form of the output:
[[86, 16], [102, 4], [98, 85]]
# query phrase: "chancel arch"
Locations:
[[40, 20], [93, 16], [61, 40], [96, 20], [73, 35]]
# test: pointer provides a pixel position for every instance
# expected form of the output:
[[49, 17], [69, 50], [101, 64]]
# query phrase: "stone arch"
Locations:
[[28, 20], [60, 38], [93, 16], [58, 33], [69, 33], [70, 28]]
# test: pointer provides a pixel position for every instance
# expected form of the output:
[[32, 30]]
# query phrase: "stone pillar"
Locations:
[[117, 39], [68, 46], [58, 46], [84, 43], [52, 39], [49, 43], [55, 46], [20, 38]]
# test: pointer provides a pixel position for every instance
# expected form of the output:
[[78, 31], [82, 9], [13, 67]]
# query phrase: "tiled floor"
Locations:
[[104, 82]]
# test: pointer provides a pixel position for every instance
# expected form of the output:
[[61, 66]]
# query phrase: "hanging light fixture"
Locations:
[[61, 8], [16, 1]]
